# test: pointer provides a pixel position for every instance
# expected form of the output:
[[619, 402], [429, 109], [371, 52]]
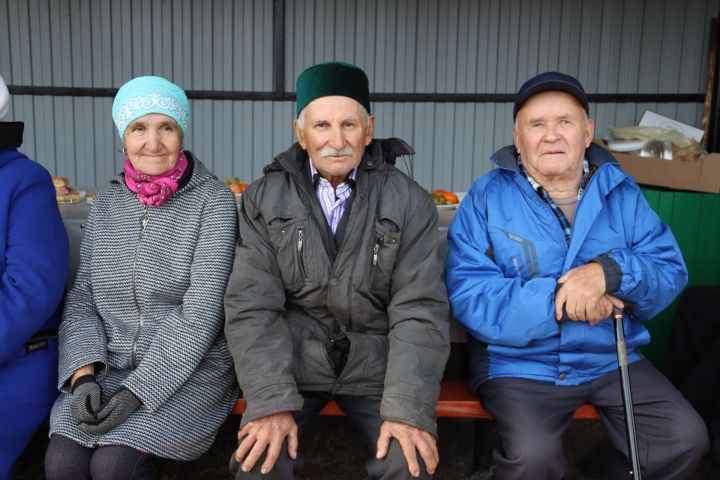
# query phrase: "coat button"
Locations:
[[561, 376], [333, 282]]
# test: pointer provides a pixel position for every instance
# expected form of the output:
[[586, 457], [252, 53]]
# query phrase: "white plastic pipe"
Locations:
[[4, 98]]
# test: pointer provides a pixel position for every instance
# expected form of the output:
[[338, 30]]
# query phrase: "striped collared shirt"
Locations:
[[332, 200], [564, 223]]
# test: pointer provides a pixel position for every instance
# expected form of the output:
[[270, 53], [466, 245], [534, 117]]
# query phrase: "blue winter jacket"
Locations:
[[33, 253], [507, 250]]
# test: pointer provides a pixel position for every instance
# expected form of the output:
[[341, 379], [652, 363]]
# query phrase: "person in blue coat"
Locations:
[[33, 269], [541, 250]]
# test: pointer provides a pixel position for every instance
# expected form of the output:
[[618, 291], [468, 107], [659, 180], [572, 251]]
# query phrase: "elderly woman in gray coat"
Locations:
[[144, 369]]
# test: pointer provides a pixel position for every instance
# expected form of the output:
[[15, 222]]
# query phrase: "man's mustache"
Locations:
[[332, 152]]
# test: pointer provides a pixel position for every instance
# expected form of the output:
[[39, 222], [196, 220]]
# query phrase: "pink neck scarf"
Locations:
[[154, 189]]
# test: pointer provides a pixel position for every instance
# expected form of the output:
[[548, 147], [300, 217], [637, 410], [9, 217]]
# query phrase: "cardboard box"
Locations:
[[698, 176]]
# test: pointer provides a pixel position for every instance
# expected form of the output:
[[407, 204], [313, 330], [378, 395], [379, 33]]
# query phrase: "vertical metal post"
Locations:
[[279, 48]]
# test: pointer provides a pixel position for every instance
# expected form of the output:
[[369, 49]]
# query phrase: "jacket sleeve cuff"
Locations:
[[67, 369], [611, 269], [276, 398], [395, 408]]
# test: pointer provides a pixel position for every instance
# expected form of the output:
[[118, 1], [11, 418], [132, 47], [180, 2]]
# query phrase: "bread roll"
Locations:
[[60, 181]]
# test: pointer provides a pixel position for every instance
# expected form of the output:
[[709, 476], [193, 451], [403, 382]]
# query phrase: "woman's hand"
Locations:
[[117, 409], [86, 395], [80, 372]]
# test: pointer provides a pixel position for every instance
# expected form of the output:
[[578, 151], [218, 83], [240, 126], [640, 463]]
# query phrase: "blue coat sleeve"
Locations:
[[652, 267], [494, 308], [36, 261]]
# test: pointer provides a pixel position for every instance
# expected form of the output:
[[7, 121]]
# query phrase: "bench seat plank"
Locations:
[[456, 401]]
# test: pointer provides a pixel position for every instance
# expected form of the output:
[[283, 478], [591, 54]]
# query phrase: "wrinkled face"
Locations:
[[551, 134], [335, 131], [153, 143]]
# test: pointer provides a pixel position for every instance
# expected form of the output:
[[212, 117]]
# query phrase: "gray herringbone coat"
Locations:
[[147, 310]]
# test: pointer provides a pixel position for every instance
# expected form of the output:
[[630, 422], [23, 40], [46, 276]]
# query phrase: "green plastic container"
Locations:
[[695, 220]]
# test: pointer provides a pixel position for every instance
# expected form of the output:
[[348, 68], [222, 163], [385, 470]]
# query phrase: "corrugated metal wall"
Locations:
[[405, 46]]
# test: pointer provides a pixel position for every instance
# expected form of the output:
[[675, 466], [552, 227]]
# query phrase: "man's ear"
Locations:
[[590, 132], [299, 134], [369, 131], [515, 139]]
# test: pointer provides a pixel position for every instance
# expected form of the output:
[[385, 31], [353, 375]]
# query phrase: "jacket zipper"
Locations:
[[144, 223], [300, 240]]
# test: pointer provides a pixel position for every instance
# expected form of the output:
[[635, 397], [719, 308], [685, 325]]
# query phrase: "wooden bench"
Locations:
[[457, 401]]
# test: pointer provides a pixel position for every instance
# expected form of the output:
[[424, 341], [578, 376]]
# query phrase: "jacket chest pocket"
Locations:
[[516, 256], [384, 246], [289, 236]]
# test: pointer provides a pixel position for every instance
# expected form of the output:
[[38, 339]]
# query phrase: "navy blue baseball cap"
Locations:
[[550, 81]]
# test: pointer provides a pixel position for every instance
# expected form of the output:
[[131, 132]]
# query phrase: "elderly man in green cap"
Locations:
[[337, 291]]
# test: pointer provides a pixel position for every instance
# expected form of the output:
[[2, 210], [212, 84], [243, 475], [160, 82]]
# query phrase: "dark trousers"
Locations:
[[531, 417], [364, 412], [693, 357], [67, 460]]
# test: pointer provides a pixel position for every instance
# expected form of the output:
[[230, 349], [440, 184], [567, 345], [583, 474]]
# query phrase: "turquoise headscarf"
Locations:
[[143, 95]]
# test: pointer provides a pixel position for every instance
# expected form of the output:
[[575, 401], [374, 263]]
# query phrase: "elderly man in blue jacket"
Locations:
[[33, 269], [541, 250]]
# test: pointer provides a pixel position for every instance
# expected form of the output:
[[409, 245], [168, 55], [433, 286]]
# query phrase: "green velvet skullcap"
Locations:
[[332, 78]]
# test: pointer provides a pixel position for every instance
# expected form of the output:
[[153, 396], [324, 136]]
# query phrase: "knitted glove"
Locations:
[[85, 401], [117, 409]]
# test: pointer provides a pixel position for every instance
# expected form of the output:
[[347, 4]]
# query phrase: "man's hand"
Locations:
[[411, 439], [582, 288], [266, 433], [604, 308]]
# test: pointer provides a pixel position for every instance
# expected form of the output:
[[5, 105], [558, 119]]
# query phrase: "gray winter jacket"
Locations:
[[146, 309], [291, 292]]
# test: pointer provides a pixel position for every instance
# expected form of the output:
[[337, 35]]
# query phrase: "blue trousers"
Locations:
[[27, 392]]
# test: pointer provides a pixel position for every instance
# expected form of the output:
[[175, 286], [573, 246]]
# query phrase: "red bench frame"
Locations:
[[456, 401]]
